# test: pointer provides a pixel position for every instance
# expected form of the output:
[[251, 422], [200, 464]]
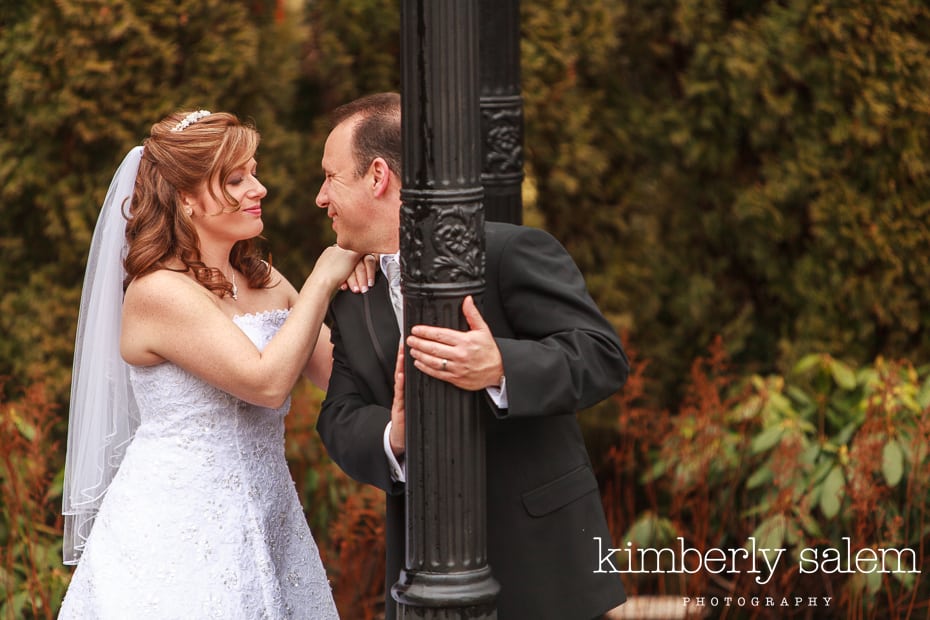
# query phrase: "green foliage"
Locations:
[[861, 439], [82, 82], [825, 459], [40, 318], [353, 49], [825, 107], [32, 577], [754, 170]]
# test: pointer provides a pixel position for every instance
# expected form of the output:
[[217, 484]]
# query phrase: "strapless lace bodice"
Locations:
[[202, 519], [182, 412]]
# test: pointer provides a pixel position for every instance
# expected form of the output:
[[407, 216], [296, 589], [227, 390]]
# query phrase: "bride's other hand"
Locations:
[[363, 276]]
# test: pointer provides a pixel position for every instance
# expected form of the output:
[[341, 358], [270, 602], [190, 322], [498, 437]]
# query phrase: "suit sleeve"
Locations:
[[352, 425], [564, 355]]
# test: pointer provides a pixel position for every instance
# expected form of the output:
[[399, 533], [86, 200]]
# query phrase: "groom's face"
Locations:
[[346, 195]]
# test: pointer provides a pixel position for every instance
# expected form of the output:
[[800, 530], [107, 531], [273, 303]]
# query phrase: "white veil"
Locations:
[[103, 415]]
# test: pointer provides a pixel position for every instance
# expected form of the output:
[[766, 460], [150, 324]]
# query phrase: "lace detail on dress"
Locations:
[[202, 519], [256, 325]]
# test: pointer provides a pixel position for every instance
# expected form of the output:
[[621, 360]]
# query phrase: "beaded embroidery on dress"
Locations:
[[202, 519]]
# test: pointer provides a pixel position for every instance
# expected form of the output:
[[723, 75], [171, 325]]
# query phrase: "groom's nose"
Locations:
[[322, 197]]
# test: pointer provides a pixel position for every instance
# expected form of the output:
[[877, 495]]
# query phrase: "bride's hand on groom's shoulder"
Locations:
[[336, 267], [363, 276]]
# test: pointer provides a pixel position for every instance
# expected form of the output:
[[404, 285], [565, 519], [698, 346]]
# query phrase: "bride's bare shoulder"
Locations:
[[164, 290]]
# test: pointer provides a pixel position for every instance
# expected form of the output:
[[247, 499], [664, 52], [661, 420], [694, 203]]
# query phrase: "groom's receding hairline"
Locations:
[[379, 103]]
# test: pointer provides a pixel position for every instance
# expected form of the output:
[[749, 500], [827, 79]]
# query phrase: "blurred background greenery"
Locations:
[[753, 170]]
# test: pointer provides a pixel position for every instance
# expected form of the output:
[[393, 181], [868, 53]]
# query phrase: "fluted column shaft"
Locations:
[[446, 573]]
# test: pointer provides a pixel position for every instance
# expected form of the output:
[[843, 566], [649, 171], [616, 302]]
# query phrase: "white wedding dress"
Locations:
[[202, 519]]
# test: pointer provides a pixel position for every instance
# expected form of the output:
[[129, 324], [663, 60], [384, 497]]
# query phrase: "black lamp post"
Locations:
[[446, 573], [462, 128], [501, 110]]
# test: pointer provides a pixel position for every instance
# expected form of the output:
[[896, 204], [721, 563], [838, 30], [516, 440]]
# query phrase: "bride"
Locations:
[[178, 502]]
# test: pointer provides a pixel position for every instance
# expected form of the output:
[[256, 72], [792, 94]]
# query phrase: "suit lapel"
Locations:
[[382, 326]]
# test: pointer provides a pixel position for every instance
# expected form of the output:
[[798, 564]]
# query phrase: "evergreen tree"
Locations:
[[84, 80], [755, 170], [750, 169]]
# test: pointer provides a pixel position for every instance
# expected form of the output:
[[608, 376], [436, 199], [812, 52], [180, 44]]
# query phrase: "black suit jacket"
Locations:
[[560, 355]]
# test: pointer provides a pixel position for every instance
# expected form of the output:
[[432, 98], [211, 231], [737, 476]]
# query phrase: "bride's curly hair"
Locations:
[[181, 156]]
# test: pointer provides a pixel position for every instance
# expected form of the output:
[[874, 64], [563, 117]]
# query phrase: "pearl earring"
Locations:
[[189, 211]]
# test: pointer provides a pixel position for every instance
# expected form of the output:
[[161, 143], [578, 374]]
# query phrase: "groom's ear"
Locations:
[[380, 176]]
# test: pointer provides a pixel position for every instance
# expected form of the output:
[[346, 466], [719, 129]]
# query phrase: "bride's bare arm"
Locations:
[[167, 316], [320, 365]]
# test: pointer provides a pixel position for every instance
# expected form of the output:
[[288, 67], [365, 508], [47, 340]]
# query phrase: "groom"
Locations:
[[537, 346]]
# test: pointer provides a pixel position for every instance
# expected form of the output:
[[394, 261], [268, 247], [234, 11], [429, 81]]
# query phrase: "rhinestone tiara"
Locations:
[[190, 119]]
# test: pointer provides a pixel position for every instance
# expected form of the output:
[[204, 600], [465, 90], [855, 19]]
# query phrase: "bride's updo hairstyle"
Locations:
[[184, 152]]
